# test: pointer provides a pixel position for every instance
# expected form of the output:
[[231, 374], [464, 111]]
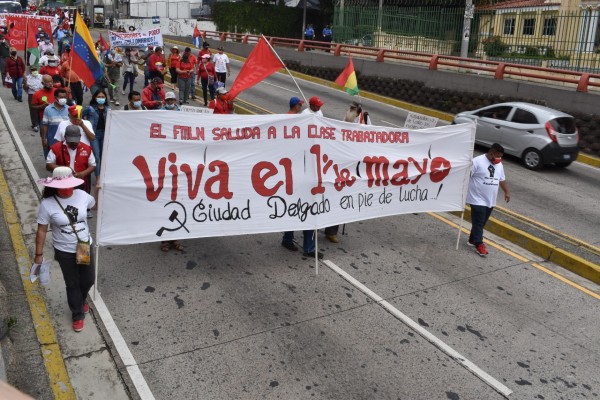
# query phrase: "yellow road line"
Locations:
[[524, 259], [58, 377]]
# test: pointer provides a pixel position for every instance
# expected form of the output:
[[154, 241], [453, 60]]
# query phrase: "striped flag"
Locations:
[[85, 61], [347, 79], [33, 53]]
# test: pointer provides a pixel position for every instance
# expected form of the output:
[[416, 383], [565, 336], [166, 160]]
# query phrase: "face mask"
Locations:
[[170, 106], [65, 192], [496, 160], [112, 52], [34, 73], [52, 64], [13, 53], [47, 41], [137, 104], [100, 100], [62, 102]]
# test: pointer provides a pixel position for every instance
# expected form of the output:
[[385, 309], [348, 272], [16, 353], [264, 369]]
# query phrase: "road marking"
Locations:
[[279, 87], [524, 259], [58, 377], [131, 365], [481, 374], [389, 123]]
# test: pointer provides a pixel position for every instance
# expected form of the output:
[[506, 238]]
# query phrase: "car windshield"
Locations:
[[564, 125], [11, 7]]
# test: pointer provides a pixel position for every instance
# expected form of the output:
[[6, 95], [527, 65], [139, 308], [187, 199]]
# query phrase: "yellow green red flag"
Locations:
[[347, 79]]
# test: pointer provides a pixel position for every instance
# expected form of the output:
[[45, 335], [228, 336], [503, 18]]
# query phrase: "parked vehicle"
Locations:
[[536, 134]]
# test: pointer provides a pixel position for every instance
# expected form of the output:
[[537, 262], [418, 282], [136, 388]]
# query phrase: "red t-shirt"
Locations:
[[48, 70], [42, 96], [185, 66], [220, 107]]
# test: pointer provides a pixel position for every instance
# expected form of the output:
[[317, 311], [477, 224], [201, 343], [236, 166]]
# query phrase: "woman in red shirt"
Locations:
[[207, 76], [184, 71], [221, 105]]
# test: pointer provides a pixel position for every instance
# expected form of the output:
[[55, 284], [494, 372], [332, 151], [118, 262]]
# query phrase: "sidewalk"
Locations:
[[42, 355]]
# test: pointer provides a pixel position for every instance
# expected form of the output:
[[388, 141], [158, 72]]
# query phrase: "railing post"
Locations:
[[245, 40], [301, 46], [380, 55], [500, 71], [272, 41], [582, 86], [433, 63], [338, 50], [223, 37]]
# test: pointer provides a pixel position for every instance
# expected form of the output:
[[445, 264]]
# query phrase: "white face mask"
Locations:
[[62, 102]]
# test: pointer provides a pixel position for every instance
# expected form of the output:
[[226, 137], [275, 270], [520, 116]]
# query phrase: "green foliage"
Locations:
[[493, 46], [271, 20]]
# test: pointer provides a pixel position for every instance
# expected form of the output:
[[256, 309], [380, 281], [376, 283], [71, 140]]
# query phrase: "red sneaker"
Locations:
[[86, 308], [481, 250], [78, 325]]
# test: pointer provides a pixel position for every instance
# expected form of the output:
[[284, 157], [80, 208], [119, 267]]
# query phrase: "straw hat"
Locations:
[[62, 178]]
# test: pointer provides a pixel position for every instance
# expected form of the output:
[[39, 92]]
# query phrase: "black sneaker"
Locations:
[[311, 254], [289, 246]]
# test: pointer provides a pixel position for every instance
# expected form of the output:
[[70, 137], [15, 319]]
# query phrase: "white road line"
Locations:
[[279, 87], [389, 123], [481, 374], [132, 368], [121, 346]]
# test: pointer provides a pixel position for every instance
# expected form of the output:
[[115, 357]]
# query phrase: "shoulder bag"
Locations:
[[82, 255]]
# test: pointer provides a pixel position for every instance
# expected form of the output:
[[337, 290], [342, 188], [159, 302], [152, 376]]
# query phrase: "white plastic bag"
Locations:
[[41, 271]]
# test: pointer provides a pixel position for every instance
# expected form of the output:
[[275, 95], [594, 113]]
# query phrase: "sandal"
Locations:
[[176, 245], [165, 246]]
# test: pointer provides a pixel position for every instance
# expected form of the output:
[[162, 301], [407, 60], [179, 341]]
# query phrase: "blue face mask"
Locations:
[[137, 104], [100, 100], [170, 106]]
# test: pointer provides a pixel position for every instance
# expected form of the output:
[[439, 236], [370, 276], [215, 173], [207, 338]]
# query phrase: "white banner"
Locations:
[[152, 37], [419, 121], [175, 175]]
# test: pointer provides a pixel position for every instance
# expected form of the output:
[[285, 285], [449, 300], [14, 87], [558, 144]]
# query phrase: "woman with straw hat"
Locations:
[[65, 210]]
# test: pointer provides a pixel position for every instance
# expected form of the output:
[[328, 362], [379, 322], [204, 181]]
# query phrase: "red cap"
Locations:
[[315, 101]]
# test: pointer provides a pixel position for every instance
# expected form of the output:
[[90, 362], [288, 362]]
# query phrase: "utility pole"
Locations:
[[303, 20], [466, 34]]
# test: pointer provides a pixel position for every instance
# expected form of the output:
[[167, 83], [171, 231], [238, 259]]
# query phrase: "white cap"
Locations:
[[170, 95]]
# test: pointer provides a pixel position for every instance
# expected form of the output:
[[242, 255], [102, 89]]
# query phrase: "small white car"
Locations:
[[536, 134]]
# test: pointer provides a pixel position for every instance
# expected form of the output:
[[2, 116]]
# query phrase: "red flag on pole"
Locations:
[[261, 63], [103, 45]]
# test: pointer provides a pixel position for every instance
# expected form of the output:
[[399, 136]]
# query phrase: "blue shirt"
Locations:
[[53, 116], [327, 32], [309, 32]]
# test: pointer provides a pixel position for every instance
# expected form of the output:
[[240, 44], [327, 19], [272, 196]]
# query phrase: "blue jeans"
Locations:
[[206, 88], [97, 150], [17, 88], [193, 88], [479, 217], [50, 139], [308, 244]]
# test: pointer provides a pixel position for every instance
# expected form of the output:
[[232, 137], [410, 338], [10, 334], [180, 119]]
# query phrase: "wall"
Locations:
[[174, 27]]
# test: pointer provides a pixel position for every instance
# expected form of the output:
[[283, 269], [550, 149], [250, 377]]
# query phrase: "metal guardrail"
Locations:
[[582, 81]]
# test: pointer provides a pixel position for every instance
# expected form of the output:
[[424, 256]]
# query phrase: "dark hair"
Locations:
[[58, 78], [133, 93], [497, 148], [58, 91], [48, 192], [96, 93]]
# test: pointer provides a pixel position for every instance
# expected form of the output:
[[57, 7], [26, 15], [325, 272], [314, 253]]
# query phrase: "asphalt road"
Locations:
[[243, 318]]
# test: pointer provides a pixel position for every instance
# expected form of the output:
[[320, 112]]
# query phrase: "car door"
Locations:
[[490, 124], [519, 132]]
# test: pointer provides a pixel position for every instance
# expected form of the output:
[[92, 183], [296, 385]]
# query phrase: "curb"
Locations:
[[539, 247]]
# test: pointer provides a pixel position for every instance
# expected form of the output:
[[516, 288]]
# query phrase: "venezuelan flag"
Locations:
[[85, 62], [347, 79]]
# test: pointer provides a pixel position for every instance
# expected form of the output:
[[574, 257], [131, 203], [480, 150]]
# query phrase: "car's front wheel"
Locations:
[[532, 159]]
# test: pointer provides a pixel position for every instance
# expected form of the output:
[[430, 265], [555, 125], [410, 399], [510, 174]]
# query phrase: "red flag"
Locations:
[[103, 45], [261, 63]]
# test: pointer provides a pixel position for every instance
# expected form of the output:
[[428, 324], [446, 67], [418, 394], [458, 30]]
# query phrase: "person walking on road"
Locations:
[[153, 95], [15, 68], [96, 113], [314, 106], [157, 64], [54, 114], [221, 105], [172, 62], [487, 174], [208, 77], [113, 62], [135, 102], [308, 244], [222, 68], [4, 54], [184, 69], [33, 83], [130, 62], [43, 97], [64, 209], [192, 59]]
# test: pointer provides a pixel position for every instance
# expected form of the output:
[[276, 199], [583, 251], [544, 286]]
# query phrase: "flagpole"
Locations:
[[288, 71]]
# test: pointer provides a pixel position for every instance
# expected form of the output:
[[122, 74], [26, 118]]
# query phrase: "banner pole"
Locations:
[[462, 217], [96, 257], [316, 252], [284, 66]]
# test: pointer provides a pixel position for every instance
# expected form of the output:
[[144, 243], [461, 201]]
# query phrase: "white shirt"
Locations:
[[220, 61], [309, 111], [484, 182], [50, 213], [60, 131], [51, 158]]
